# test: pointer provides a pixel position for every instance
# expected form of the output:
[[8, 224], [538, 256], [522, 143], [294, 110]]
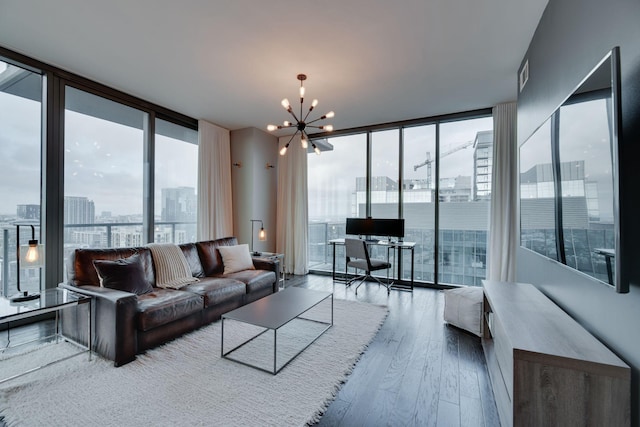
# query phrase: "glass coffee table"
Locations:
[[50, 300], [295, 315]]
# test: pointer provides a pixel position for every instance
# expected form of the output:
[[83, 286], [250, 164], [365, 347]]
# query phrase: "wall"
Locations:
[[571, 38], [254, 185]]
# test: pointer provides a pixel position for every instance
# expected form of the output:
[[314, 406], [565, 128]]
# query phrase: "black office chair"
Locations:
[[358, 258]]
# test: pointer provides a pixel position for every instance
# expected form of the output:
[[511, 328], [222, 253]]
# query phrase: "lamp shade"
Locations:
[[262, 235], [32, 255]]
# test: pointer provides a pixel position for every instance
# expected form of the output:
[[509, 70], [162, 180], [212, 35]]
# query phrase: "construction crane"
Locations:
[[428, 161]]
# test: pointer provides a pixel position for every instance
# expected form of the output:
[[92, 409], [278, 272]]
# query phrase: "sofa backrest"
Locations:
[[190, 252], [210, 255], [81, 271], [203, 258]]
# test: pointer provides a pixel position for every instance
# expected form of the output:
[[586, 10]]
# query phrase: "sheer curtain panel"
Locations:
[[215, 213], [503, 217], [292, 215]]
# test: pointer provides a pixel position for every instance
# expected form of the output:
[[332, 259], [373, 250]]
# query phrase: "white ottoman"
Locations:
[[463, 308]]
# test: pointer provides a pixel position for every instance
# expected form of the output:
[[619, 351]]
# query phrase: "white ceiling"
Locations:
[[232, 61]]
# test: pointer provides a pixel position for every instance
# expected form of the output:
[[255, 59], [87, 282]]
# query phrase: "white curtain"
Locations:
[[292, 212], [215, 212], [503, 217]]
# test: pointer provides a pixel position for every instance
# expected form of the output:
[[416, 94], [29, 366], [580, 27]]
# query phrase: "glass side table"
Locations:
[[271, 256], [51, 300]]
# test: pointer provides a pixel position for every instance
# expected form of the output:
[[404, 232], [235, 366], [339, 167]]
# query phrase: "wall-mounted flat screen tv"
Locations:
[[569, 192]]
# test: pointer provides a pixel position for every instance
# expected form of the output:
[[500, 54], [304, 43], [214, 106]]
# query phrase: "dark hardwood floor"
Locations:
[[417, 371]]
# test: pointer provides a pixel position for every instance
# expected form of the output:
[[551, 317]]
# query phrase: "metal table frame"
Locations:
[[30, 311], [238, 316], [396, 246]]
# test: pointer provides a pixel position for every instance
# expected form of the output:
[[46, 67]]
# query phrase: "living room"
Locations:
[[192, 74]]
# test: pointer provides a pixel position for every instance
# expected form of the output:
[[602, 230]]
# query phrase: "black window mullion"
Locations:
[[148, 177], [436, 220], [557, 184]]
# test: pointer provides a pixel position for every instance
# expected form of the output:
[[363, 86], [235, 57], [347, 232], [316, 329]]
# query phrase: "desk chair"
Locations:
[[358, 257]]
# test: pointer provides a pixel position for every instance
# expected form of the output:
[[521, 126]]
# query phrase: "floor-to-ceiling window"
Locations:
[[464, 194], [104, 168], [406, 166], [103, 172], [337, 190], [176, 178], [20, 170], [418, 198]]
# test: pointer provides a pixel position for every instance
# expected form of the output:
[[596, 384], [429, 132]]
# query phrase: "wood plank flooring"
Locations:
[[417, 371]]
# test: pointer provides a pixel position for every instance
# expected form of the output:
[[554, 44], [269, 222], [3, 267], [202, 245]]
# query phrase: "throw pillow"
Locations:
[[236, 258], [124, 274]]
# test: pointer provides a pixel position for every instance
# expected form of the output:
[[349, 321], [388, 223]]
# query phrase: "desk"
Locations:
[[396, 246]]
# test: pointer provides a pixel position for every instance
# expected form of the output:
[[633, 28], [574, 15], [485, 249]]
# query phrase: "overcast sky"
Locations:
[[332, 175], [103, 160]]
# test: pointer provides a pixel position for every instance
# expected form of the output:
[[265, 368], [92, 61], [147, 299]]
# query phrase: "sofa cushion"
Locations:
[[163, 306], [236, 258], [255, 280], [210, 255], [125, 274], [217, 290]]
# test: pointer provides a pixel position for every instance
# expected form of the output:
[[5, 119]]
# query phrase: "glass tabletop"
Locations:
[[50, 299]]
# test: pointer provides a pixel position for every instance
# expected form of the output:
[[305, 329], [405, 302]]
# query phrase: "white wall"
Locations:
[[254, 185]]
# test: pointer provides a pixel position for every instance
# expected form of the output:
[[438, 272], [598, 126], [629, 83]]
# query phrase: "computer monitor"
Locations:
[[359, 226], [375, 227], [388, 227]]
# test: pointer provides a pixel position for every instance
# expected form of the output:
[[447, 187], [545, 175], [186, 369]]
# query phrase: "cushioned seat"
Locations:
[[463, 308], [256, 281], [163, 306], [217, 291]]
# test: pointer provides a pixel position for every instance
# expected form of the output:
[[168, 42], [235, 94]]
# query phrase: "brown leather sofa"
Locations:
[[127, 324]]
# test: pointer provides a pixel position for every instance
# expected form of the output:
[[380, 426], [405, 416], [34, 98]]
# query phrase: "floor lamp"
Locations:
[[32, 256], [262, 235]]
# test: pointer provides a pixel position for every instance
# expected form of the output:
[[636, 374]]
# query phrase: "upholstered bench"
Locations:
[[463, 308]]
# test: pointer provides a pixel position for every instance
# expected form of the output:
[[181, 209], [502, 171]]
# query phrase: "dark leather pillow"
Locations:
[[124, 274]]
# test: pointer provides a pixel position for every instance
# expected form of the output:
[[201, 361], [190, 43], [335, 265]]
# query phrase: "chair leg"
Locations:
[[364, 278], [386, 285]]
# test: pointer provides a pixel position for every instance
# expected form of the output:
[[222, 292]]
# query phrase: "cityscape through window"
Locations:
[[20, 170], [450, 159]]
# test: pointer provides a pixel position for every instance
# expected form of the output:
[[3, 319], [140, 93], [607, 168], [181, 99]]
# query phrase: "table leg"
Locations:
[[333, 269]]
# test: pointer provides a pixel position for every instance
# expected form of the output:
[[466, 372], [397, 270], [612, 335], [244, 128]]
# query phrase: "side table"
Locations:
[[51, 300], [271, 256]]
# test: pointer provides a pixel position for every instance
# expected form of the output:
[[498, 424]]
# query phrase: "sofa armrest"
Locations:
[[269, 264], [114, 313]]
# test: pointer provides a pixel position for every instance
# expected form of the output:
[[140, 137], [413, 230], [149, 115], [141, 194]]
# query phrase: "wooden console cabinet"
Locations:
[[546, 369]]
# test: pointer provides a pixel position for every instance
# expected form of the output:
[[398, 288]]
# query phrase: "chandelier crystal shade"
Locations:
[[300, 122]]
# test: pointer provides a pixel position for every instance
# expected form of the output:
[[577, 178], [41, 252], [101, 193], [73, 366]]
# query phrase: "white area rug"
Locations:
[[185, 382]]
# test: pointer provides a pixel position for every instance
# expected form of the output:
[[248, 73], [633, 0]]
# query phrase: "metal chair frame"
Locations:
[[356, 251]]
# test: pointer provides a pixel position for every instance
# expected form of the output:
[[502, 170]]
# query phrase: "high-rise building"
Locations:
[[79, 210], [178, 204], [482, 165], [28, 212]]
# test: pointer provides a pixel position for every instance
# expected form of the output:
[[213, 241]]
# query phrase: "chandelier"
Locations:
[[301, 123]]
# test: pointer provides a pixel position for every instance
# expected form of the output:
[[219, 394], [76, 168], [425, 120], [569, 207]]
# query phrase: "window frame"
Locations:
[[400, 126], [52, 142]]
